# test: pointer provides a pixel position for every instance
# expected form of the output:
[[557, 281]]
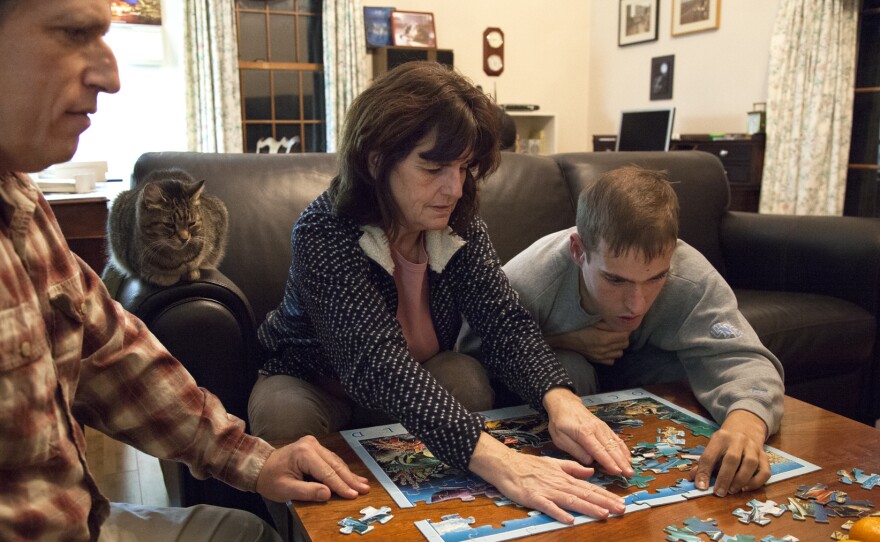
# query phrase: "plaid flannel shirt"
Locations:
[[69, 354]]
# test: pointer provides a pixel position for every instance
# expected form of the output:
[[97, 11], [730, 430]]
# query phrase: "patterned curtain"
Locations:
[[344, 51], [213, 102], [809, 107]]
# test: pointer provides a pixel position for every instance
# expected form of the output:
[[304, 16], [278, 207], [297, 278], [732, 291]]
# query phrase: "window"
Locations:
[[281, 71]]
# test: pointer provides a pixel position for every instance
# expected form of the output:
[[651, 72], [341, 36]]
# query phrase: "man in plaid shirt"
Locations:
[[69, 354]]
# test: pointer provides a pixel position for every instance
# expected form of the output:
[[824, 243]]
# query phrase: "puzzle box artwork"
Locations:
[[665, 441]]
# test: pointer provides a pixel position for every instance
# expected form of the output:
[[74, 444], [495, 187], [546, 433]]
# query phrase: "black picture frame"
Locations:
[[662, 75], [637, 21]]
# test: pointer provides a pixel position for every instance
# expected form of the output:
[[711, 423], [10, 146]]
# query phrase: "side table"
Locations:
[[83, 221]]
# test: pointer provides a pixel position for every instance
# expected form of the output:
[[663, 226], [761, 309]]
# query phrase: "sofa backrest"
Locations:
[[527, 198], [265, 194], [698, 178]]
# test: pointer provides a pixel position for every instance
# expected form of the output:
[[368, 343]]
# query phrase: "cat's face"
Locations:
[[170, 214]]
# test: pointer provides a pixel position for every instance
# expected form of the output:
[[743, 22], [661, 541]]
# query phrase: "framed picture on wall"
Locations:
[[662, 70], [637, 21], [413, 29], [695, 16], [377, 26], [136, 11]]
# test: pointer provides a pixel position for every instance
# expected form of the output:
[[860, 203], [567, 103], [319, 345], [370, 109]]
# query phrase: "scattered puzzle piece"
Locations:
[[707, 527], [800, 509], [680, 534], [350, 525], [858, 476], [821, 494], [786, 538], [701, 430], [671, 435], [759, 512], [364, 524], [739, 538], [850, 508]]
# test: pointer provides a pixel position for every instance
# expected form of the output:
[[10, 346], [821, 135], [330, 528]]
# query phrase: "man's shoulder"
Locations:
[[688, 264], [547, 256], [542, 269]]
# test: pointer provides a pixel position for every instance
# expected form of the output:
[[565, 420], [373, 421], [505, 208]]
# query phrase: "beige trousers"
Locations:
[[136, 523]]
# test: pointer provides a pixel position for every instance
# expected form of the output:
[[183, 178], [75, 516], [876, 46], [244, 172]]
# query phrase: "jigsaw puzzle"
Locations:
[[664, 432]]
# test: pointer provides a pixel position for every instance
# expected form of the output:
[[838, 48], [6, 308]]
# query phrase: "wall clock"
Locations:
[[493, 51]]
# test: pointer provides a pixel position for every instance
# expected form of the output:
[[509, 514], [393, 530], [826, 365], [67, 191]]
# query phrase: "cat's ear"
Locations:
[[154, 196], [194, 190]]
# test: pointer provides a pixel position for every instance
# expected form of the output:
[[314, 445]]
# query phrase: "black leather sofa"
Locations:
[[810, 286]]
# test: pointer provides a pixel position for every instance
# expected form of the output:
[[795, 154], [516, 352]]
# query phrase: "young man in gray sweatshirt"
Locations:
[[625, 303]]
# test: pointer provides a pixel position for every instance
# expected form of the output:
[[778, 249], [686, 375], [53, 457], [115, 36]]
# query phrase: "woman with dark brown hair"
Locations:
[[386, 265]]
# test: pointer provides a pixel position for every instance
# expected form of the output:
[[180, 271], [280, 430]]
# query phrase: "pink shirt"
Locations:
[[413, 312]]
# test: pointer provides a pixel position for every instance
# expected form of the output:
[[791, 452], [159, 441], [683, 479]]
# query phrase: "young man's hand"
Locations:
[[577, 431], [598, 343], [736, 450], [283, 476]]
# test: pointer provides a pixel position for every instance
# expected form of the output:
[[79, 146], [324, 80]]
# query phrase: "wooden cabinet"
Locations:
[[743, 160], [83, 221], [386, 58]]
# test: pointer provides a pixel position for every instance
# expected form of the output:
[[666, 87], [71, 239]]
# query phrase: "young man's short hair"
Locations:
[[631, 208]]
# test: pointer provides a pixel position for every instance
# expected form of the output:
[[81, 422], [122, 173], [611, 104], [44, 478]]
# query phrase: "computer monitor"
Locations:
[[645, 130]]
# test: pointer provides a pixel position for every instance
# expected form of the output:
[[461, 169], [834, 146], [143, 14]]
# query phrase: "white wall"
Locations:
[[561, 55], [718, 73], [149, 112], [546, 49]]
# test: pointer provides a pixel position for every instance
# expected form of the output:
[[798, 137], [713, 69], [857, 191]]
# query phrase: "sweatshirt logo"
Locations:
[[724, 330]]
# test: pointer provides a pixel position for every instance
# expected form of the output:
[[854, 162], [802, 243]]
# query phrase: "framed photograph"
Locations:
[[662, 70], [136, 11], [637, 22], [413, 29], [695, 16], [377, 26]]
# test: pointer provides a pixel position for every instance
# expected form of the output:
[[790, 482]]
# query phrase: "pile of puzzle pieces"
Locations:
[[693, 527], [816, 501]]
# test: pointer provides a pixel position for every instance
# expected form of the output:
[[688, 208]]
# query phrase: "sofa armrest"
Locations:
[[207, 325], [833, 256]]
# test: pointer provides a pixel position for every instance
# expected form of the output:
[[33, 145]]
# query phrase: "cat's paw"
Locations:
[[194, 274]]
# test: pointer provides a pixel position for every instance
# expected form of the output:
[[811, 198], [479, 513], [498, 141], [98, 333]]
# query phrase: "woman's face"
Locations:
[[425, 191]]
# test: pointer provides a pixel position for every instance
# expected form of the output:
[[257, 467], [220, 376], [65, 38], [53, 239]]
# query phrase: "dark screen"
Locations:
[[645, 130]]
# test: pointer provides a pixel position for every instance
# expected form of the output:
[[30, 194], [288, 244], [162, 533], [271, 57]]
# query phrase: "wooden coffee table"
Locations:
[[810, 433]]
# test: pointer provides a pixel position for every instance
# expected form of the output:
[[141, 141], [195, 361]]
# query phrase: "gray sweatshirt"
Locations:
[[693, 322]]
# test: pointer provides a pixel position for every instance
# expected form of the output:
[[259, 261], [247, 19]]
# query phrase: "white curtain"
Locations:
[[344, 51], [809, 107], [213, 102]]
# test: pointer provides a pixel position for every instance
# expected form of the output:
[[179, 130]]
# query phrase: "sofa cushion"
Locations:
[[816, 335]]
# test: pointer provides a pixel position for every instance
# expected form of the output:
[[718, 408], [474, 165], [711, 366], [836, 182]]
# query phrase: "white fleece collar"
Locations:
[[440, 245]]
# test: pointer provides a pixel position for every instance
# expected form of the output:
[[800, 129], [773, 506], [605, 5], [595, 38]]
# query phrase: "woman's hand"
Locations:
[[576, 430], [549, 485]]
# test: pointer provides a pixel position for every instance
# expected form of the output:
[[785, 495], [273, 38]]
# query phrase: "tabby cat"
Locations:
[[167, 228]]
